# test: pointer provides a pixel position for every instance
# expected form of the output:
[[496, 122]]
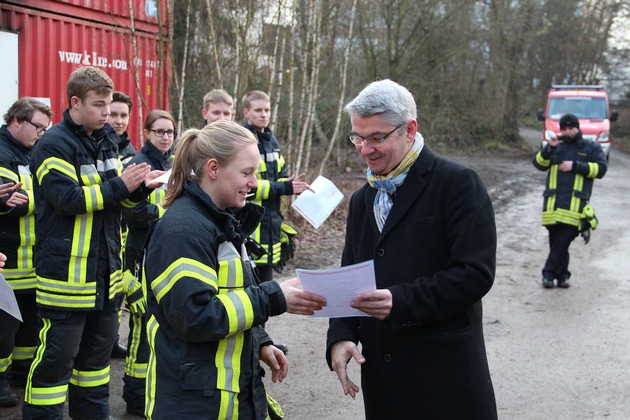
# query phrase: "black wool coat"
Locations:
[[436, 255]]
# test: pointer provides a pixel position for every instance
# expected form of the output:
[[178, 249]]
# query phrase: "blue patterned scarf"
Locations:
[[386, 185]]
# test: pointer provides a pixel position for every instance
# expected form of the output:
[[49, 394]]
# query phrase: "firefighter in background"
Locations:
[[217, 105], [80, 188], [159, 133], [572, 163], [120, 111], [273, 183], [25, 122], [205, 306]]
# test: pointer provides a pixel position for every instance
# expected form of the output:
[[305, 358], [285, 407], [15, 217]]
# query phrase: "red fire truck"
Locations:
[[587, 102]]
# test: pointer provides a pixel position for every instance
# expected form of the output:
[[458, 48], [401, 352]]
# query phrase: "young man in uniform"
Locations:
[[25, 122], [80, 187]]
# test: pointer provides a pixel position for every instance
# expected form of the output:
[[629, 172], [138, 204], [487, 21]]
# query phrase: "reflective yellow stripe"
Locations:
[[115, 283], [55, 164], [262, 192], [272, 257], [5, 363], [43, 396], [8, 173], [229, 405], [47, 396], [542, 161], [152, 329], [90, 378], [132, 367], [93, 198], [593, 169], [64, 294], [183, 267], [23, 353], [578, 185], [77, 266], [128, 203]]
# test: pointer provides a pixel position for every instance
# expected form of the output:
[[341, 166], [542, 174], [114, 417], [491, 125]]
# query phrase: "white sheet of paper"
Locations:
[[316, 206], [8, 303], [162, 179], [339, 286]]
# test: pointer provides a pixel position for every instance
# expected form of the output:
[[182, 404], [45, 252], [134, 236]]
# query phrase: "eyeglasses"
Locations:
[[160, 133], [39, 128], [358, 140]]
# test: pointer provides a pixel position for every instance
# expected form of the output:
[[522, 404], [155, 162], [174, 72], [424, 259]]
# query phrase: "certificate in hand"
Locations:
[[8, 303], [316, 206], [339, 286]]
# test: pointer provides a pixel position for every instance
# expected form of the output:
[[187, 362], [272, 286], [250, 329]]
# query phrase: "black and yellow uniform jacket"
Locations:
[[566, 193], [204, 312], [272, 185], [79, 195], [138, 218], [17, 224]]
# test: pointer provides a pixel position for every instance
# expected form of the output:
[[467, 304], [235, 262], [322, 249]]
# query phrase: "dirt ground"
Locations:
[[553, 354]]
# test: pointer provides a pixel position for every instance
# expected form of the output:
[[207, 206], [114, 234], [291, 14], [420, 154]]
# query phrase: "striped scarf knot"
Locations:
[[387, 185]]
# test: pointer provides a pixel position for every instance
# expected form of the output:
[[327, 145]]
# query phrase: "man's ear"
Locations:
[[74, 101]]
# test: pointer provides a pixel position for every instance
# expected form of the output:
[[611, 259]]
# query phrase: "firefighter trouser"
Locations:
[[560, 238], [136, 362], [18, 339], [72, 357]]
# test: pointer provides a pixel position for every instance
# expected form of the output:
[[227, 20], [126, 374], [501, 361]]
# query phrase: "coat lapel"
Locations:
[[415, 183]]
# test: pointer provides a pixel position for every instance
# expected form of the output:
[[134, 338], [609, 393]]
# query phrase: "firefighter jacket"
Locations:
[[126, 151], [204, 312], [566, 193], [272, 185], [138, 218], [78, 196], [17, 224]]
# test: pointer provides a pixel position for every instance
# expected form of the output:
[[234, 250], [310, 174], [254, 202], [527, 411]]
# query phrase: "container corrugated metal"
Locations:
[[51, 46], [115, 12]]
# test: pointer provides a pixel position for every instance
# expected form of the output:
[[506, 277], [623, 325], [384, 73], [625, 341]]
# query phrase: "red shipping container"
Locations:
[[54, 37]]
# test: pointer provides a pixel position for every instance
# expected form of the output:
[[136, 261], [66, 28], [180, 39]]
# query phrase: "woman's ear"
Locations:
[[212, 167]]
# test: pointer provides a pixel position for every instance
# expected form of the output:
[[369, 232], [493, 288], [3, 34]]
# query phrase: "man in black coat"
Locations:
[[428, 224]]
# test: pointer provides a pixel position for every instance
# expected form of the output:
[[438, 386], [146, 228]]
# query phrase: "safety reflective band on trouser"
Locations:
[[46, 396], [90, 379], [5, 363], [23, 353], [152, 329], [132, 367]]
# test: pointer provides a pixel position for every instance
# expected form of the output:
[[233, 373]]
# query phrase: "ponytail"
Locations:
[[182, 166]]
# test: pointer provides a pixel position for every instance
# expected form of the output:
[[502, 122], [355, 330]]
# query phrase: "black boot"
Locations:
[[548, 283], [7, 398], [119, 351], [563, 282]]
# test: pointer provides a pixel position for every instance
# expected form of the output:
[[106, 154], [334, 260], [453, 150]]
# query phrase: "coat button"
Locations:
[[387, 358], [380, 252]]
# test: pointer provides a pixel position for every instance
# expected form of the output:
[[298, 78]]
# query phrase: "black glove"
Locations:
[[586, 234]]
